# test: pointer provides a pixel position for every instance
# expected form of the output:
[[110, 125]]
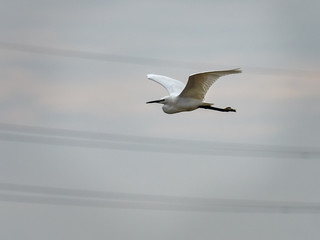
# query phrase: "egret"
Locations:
[[189, 97]]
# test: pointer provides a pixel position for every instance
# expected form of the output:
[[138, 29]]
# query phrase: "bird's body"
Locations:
[[190, 96], [175, 104]]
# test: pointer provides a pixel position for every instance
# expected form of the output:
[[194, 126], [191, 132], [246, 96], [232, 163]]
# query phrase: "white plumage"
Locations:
[[189, 97]]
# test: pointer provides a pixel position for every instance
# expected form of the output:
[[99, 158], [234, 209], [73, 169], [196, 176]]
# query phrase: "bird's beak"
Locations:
[[156, 101]]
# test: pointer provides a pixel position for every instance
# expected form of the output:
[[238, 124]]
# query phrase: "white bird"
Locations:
[[189, 97]]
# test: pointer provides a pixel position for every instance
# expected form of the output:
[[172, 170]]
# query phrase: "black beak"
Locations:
[[156, 101]]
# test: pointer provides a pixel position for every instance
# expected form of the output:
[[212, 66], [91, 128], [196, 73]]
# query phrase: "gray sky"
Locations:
[[275, 43]]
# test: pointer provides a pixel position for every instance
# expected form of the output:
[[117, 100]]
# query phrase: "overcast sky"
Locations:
[[90, 75]]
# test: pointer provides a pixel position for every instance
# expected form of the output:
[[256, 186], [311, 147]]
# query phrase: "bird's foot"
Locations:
[[229, 109]]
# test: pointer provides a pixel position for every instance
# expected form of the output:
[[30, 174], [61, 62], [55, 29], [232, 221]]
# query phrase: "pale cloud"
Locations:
[[273, 87], [259, 99]]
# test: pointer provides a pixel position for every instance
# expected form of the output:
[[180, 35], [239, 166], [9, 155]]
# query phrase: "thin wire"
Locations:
[[59, 52], [79, 54], [86, 198], [86, 139]]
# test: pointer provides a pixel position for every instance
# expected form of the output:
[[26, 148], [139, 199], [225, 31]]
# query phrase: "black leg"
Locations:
[[227, 109]]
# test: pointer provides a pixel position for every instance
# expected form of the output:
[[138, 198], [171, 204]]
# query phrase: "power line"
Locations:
[[86, 139], [59, 52], [100, 199], [106, 57]]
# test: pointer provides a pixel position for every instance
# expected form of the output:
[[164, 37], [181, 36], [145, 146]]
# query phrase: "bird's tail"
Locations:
[[205, 104]]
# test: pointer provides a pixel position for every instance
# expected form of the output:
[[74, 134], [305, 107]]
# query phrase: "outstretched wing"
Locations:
[[174, 87], [199, 83]]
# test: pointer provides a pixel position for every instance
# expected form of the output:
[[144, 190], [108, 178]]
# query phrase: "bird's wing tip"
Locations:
[[150, 75], [237, 70]]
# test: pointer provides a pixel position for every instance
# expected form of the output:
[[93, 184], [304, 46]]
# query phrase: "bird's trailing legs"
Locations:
[[227, 109]]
